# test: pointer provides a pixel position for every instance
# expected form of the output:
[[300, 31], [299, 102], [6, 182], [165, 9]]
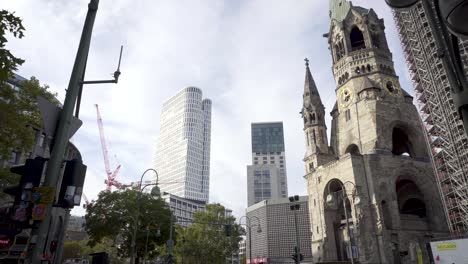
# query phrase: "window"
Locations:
[[357, 39], [272, 158], [264, 158], [348, 115], [265, 162], [281, 166], [255, 158]]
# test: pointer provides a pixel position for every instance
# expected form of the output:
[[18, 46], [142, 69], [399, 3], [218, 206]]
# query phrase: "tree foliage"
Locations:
[[19, 114], [8, 62], [205, 241], [80, 249], [114, 214]]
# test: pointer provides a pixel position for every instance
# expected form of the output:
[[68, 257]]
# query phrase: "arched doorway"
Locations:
[[335, 218]]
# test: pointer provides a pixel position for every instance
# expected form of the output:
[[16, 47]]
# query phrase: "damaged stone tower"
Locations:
[[372, 191]]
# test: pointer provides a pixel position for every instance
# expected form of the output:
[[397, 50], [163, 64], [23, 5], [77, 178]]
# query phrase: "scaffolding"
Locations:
[[446, 138]]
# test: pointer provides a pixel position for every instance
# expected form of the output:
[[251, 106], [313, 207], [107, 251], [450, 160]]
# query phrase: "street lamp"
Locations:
[[450, 15], [248, 224], [158, 234], [155, 191], [331, 202], [295, 206]]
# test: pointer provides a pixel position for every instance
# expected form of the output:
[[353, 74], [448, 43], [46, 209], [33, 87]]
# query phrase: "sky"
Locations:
[[246, 55]]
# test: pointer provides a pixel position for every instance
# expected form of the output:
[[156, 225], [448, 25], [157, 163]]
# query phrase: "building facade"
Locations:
[[445, 133], [274, 241], [182, 155], [266, 177], [183, 209], [373, 195]]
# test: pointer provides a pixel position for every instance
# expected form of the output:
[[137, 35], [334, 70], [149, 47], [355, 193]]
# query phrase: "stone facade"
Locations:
[[372, 192]]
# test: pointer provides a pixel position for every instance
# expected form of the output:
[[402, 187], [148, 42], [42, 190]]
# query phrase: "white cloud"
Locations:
[[247, 56]]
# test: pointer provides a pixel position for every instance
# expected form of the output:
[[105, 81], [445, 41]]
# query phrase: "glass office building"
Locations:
[[266, 177]]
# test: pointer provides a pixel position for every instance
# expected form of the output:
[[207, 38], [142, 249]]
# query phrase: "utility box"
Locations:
[[450, 251]]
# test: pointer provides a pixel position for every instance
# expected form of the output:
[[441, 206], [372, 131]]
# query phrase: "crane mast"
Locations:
[[110, 176]]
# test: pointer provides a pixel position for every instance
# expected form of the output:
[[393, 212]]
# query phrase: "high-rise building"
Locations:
[[266, 177], [445, 133], [182, 157], [273, 231], [373, 195]]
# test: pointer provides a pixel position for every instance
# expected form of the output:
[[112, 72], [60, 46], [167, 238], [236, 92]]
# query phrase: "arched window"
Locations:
[[313, 117], [358, 70], [390, 87], [315, 138], [410, 198], [353, 149], [339, 50], [401, 143], [363, 69], [368, 68], [357, 39]]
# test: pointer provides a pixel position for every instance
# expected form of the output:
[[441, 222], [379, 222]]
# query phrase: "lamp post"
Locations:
[[449, 16], [158, 234], [356, 200], [156, 192], [248, 224], [295, 206]]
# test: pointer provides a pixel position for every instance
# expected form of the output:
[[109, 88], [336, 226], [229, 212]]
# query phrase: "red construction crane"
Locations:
[[110, 179]]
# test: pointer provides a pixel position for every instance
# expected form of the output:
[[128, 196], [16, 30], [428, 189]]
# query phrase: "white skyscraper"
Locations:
[[183, 147]]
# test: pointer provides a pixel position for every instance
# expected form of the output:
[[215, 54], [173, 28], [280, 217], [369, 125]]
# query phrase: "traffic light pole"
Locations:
[[298, 246], [61, 138]]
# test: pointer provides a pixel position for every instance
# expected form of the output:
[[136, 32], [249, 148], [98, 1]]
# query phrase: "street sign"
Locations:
[[170, 243], [50, 114], [44, 195], [39, 212]]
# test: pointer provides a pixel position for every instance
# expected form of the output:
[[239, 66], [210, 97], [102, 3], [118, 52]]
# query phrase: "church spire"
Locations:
[[310, 89], [339, 9]]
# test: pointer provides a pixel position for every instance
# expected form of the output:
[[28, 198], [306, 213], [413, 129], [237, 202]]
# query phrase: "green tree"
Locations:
[[19, 114], [80, 249], [205, 241], [8, 62], [113, 217]]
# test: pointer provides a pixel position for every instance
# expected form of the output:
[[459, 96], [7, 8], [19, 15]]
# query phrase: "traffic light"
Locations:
[[31, 173], [71, 188], [227, 230], [294, 257], [53, 246]]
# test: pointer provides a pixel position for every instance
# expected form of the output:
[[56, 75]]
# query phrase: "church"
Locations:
[[373, 195]]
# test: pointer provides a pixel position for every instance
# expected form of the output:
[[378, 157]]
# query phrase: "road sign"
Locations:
[[170, 243], [39, 212], [44, 195]]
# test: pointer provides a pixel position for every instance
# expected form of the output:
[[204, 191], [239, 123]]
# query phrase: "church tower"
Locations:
[[313, 114], [372, 193]]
